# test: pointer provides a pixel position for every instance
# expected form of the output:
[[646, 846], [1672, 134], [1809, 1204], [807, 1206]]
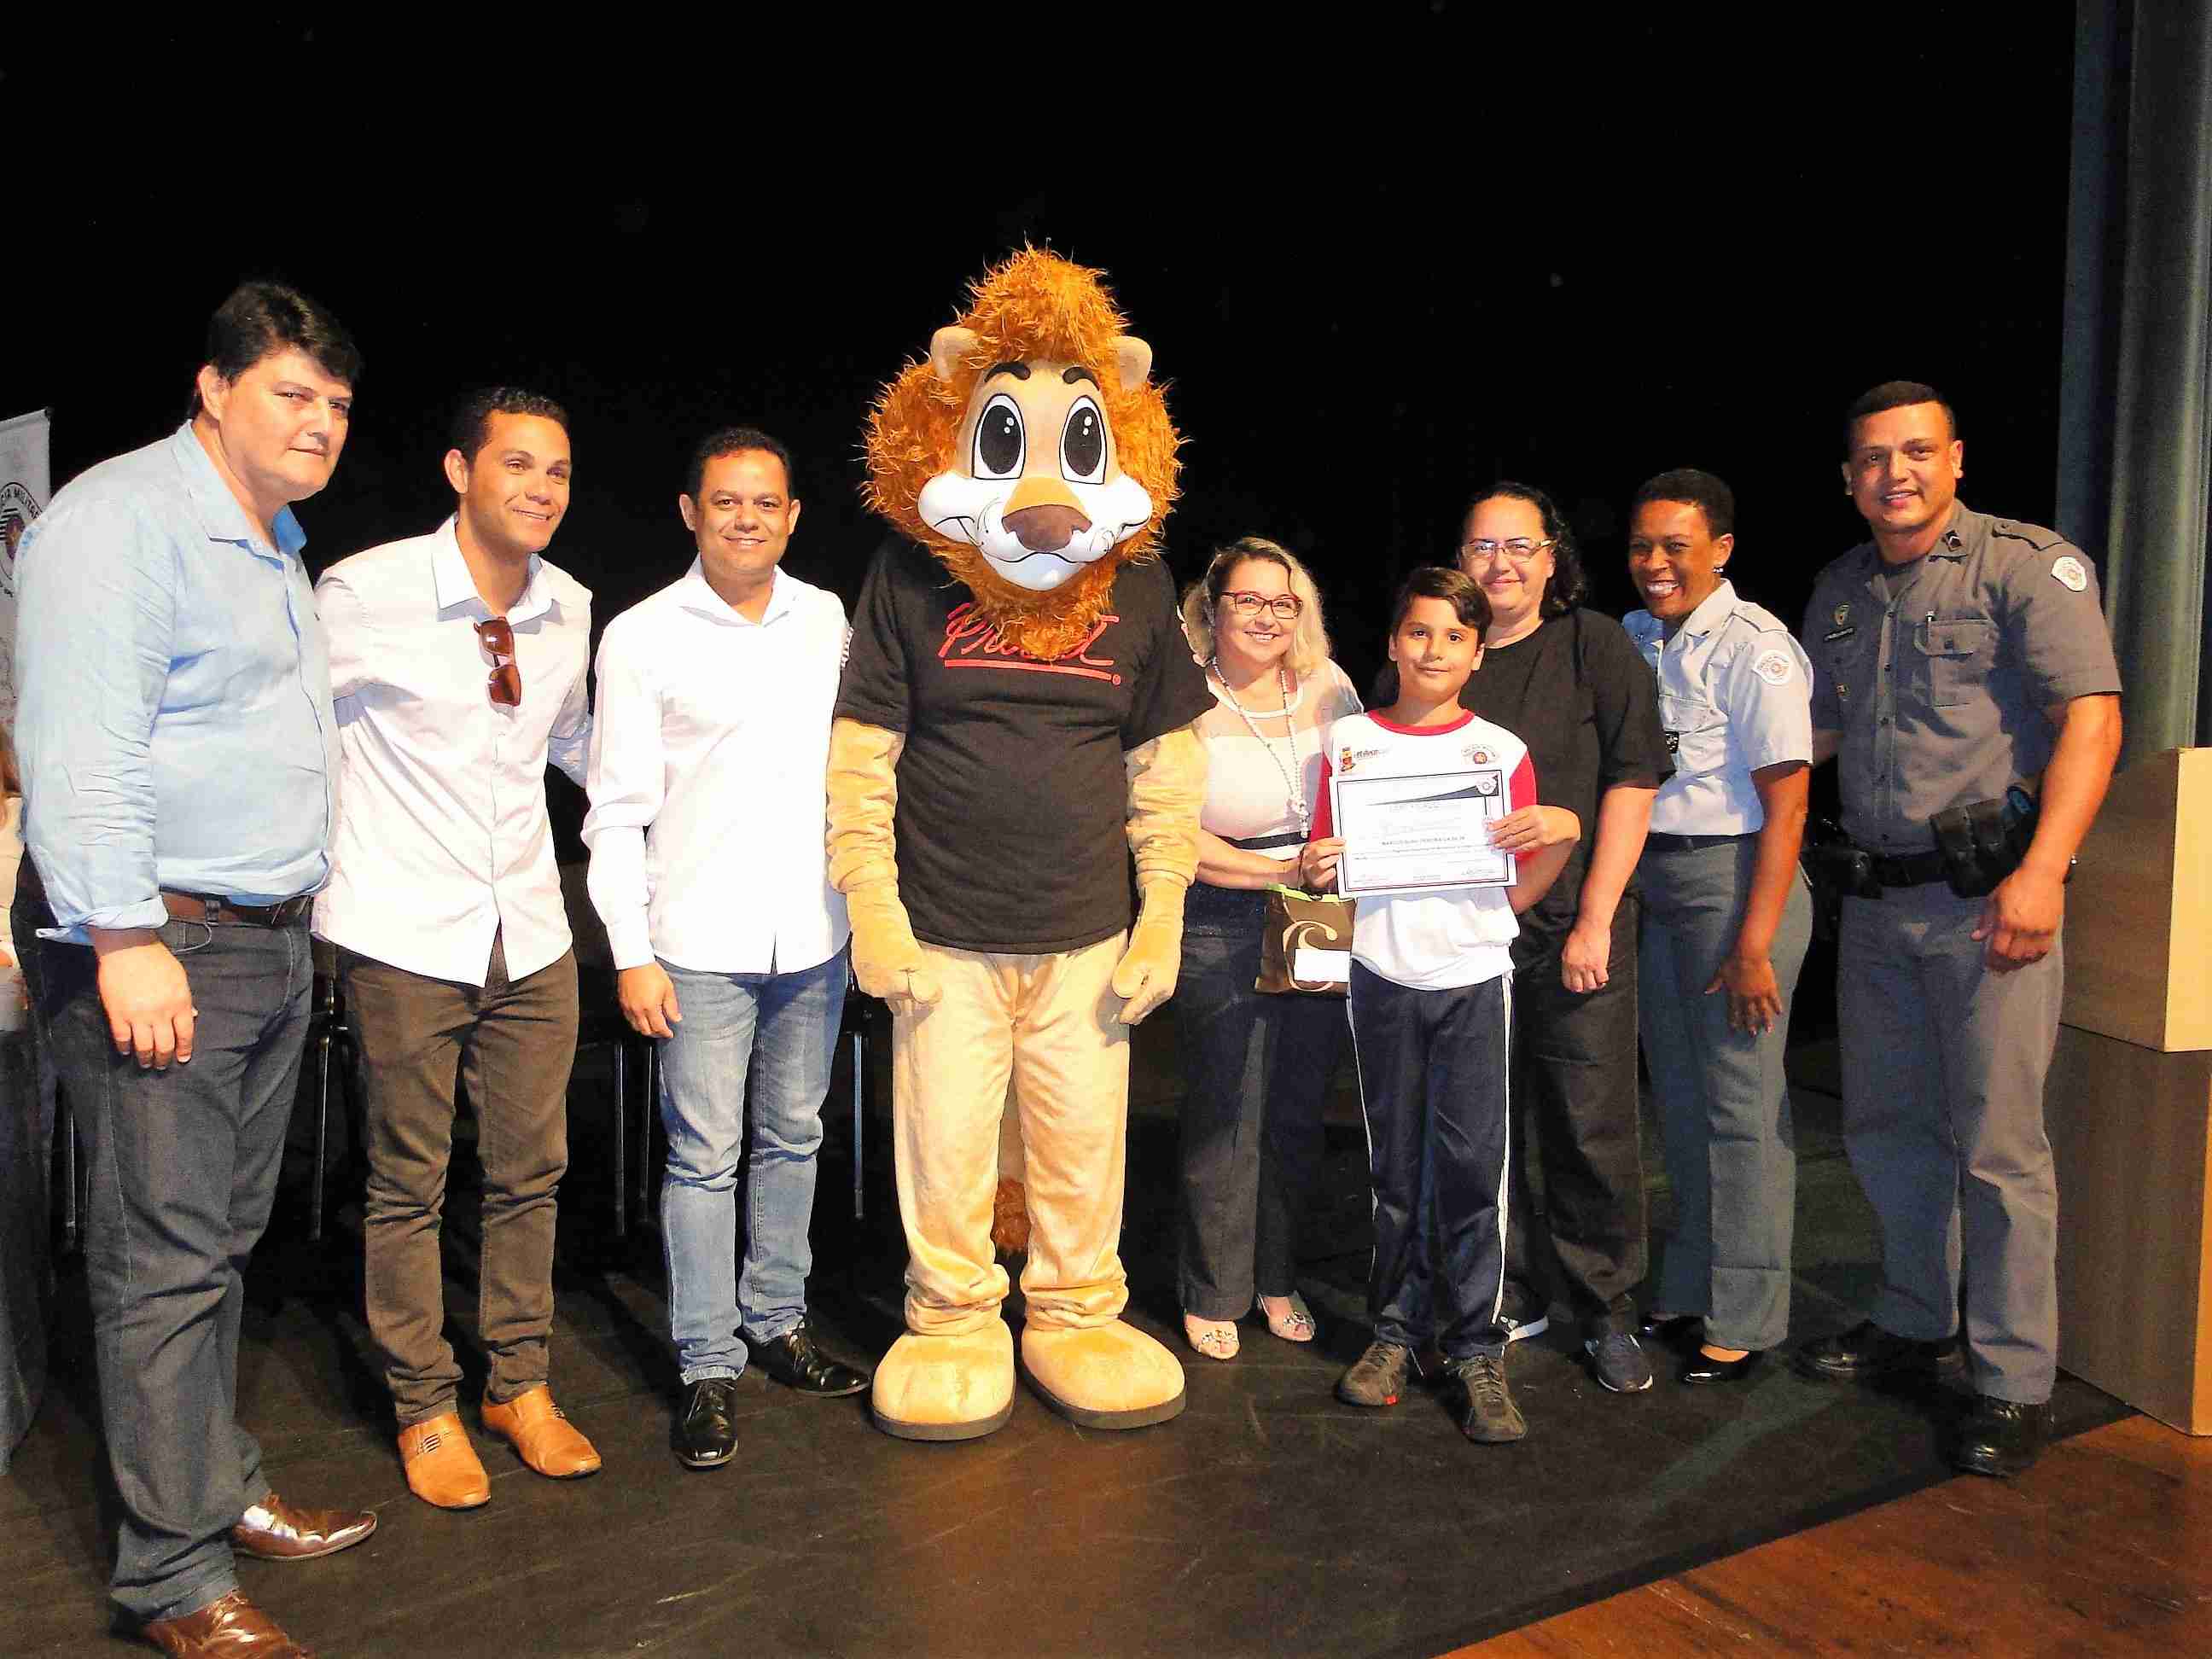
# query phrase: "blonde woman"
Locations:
[[1259, 1066]]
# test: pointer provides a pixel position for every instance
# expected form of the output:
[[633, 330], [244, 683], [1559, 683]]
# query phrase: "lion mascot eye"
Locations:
[[1001, 440], [1083, 444]]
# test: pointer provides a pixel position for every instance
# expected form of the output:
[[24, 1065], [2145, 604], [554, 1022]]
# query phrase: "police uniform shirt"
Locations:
[[1733, 696], [1936, 673]]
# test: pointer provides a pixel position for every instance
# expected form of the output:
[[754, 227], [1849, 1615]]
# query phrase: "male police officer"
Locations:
[[1958, 659]]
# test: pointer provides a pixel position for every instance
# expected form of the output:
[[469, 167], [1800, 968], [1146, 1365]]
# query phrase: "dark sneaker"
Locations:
[[793, 1360], [1378, 1377], [1866, 1352], [2002, 1437], [1618, 1361], [706, 1424], [1520, 1329], [1488, 1414]]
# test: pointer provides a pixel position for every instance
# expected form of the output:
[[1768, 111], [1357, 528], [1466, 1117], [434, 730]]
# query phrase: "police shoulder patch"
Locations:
[[1773, 666], [2069, 572]]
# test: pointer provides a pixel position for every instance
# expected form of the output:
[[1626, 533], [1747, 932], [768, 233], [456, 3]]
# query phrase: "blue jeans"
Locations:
[[779, 1030], [182, 1168]]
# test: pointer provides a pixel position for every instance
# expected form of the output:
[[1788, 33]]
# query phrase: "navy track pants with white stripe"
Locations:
[[1433, 1076]]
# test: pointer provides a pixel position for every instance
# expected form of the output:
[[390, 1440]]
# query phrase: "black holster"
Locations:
[[1836, 870], [1983, 842]]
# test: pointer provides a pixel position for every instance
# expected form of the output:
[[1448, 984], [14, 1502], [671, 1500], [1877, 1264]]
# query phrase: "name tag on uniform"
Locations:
[[1840, 634]]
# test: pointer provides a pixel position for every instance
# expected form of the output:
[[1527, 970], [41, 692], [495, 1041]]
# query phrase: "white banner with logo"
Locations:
[[25, 486]]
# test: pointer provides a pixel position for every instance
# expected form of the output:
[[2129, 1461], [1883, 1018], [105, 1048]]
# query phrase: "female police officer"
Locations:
[[1725, 911]]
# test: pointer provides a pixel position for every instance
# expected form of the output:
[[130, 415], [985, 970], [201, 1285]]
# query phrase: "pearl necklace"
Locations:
[[1292, 773]]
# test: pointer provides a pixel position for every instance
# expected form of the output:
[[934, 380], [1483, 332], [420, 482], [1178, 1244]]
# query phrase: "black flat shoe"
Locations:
[[793, 1360], [1701, 1368], [1674, 1331], [706, 1434]]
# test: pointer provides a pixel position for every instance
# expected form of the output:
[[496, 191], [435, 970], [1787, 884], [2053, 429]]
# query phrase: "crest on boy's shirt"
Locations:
[[1344, 763], [1478, 755]]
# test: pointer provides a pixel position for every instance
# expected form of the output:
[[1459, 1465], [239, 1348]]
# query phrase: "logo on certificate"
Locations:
[[1485, 783]]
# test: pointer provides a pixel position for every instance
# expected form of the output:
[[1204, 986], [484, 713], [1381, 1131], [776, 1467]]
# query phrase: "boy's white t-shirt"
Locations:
[[1454, 936]]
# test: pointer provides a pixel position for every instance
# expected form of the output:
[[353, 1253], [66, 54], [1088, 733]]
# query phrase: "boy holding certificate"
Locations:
[[1428, 816]]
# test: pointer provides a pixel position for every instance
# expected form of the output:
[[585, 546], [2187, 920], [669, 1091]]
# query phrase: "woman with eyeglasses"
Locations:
[[1727, 919], [1259, 1066], [1567, 682]]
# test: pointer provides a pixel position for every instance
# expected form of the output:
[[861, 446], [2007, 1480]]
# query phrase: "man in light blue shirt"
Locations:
[[177, 750]]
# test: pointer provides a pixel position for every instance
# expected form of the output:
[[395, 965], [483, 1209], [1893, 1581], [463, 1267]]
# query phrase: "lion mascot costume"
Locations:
[[1016, 705]]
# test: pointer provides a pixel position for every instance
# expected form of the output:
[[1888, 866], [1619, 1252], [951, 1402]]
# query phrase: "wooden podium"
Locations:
[[2129, 1100]]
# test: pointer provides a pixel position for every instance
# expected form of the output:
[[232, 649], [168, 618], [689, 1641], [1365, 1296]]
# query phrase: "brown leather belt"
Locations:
[[221, 913]]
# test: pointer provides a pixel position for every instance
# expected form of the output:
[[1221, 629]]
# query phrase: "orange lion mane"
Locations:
[[1037, 305]]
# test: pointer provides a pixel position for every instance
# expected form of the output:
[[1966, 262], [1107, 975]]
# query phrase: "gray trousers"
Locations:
[[183, 1172], [1943, 1066], [1723, 1101]]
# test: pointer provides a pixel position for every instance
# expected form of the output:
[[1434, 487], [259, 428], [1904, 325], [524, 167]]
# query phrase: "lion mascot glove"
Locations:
[[1016, 706]]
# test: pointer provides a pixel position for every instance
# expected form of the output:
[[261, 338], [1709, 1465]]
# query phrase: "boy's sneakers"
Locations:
[[1378, 1377], [1618, 1361], [1488, 1414]]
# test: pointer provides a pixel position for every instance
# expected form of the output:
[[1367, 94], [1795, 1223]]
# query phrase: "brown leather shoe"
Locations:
[[441, 1465], [541, 1434], [274, 1531], [230, 1625]]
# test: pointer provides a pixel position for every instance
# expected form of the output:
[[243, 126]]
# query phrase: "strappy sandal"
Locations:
[[1296, 1322], [1215, 1337]]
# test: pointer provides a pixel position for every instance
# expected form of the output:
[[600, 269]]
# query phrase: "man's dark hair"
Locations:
[[731, 440], [261, 318], [1700, 489], [472, 428], [1895, 394], [1567, 587]]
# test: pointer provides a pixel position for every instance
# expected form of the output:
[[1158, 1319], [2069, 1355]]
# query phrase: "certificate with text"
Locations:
[[1412, 835]]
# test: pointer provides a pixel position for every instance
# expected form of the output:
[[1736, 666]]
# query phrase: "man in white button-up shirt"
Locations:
[[458, 662], [706, 825]]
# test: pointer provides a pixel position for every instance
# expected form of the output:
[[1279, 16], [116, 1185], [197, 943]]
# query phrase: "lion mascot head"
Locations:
[[1031, 452]]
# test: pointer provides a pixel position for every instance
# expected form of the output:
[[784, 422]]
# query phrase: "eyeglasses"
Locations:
[[1520, 550], [497, 638], [1285, 606]]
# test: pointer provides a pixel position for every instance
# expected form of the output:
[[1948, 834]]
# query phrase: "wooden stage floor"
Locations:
[[2105, 1547]]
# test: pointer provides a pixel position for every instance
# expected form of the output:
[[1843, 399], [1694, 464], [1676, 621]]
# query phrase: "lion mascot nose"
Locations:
[[1045, 515], [1047, 529]]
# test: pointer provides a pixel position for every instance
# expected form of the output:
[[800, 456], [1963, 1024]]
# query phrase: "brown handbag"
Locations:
[[1305, 943]]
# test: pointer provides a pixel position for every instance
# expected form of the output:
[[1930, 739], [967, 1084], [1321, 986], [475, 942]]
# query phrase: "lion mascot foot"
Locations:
[[1108, 1376], [946, 1387]]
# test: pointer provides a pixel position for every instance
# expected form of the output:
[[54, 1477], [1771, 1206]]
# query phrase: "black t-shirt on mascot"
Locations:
[[1588, 707], [1053, 853]]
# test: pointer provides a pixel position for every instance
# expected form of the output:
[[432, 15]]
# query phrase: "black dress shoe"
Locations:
[[1675, 1331], [2002, 1437], [707, 1428], [793, 1360], [1866, 1352], [1700, 1368]]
